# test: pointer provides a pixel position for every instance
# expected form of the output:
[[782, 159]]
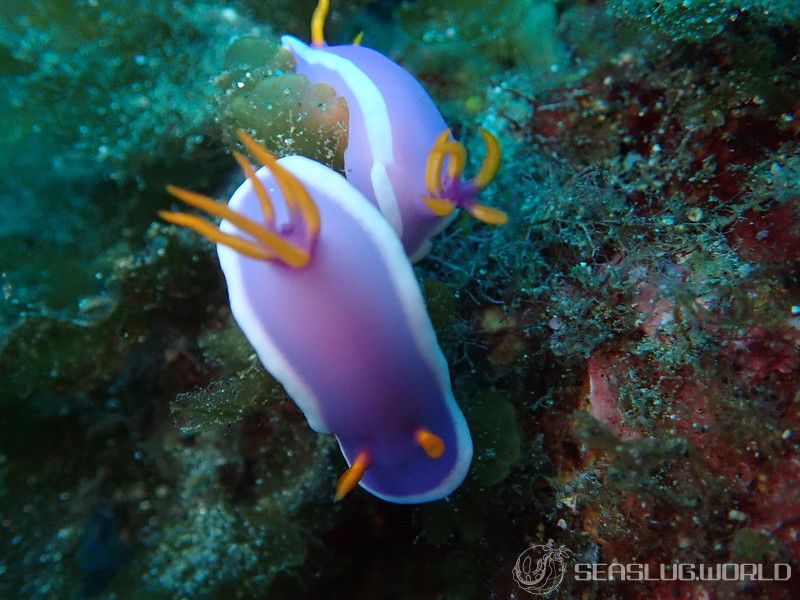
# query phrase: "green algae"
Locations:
[[441, 304], [226, 401], [211, 548], [750, 545], [226, 348], [281, 108], [493, 424], [45, 354], [520, 32], [111, 92], [294, 117], [93, 112]]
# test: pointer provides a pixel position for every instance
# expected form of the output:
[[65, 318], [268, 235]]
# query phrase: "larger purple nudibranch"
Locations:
[[400, 154], [322, 288]]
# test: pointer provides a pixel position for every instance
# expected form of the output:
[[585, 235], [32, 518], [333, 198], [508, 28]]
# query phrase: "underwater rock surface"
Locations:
[[626, 350]]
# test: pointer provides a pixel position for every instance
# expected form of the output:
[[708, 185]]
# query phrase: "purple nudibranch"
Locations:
[[322, 288], [400, 154]]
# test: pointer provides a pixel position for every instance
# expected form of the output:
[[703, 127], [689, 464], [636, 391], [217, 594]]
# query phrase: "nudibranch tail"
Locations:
[[266, 243], [352, 476], [318, 23], [445, 186]]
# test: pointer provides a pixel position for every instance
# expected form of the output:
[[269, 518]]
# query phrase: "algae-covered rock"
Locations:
[[493, 424], [292, 116], [281, 108], [696, 19], [227, 400], [217, 546], [100, 100], [752, 546], [100, 93], [466, 40], [44, 354]]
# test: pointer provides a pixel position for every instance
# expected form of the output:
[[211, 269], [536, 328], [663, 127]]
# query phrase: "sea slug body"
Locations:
[[400, 154], [322, 288]]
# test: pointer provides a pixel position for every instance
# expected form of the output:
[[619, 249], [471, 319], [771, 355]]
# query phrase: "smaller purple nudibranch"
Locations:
[[322, 288], [399, 154]]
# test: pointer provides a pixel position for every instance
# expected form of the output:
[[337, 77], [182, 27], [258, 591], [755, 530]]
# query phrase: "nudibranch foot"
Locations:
[[291, 244], [447, 191]]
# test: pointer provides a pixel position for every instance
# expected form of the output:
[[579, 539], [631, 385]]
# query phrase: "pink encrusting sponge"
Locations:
[[323, 290], [400, 153]]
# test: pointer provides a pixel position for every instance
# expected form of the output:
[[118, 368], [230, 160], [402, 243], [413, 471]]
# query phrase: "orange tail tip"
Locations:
[[431, 443], [350, 478]]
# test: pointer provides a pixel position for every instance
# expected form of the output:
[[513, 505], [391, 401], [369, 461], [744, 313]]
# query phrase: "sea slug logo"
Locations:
[[540, 569]]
